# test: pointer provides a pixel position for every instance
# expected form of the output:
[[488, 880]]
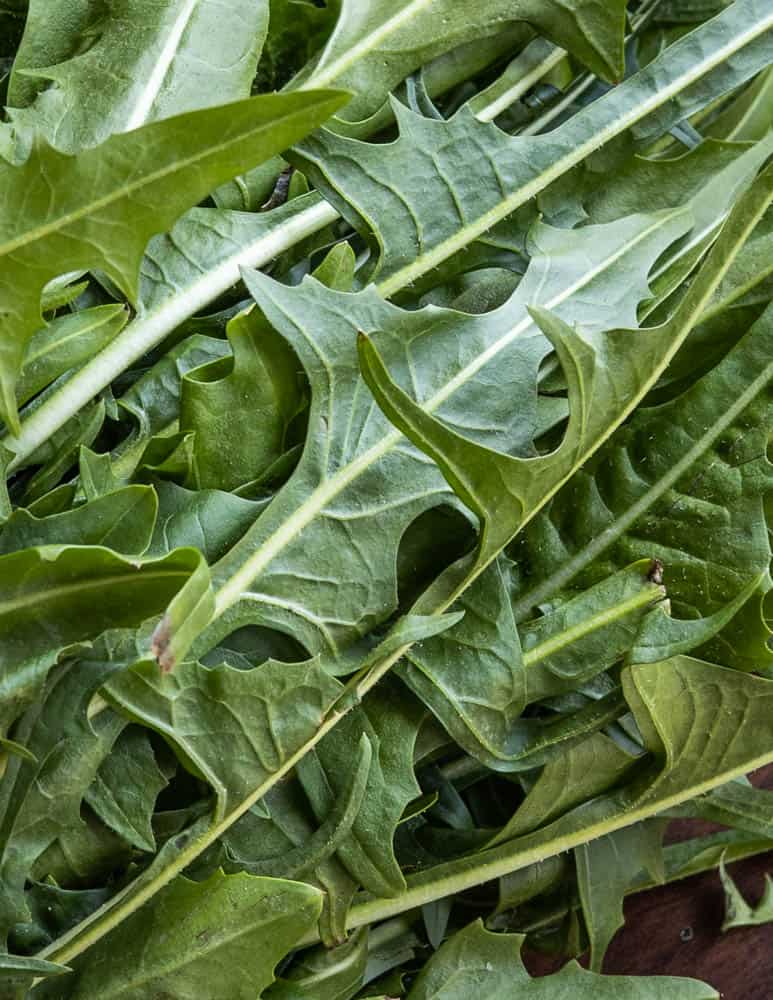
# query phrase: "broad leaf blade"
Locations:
[[136, 184], [174, 57], [222, 937]]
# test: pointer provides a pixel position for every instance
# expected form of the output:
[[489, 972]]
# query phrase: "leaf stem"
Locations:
[[459, 876]]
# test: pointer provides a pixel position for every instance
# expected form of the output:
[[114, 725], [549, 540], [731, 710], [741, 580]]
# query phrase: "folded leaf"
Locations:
[[40, 801], [699, 461], [122, 521], [479, 675]]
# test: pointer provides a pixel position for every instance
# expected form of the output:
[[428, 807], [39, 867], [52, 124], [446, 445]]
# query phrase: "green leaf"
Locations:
[[17, 973], [124, 791], [67, 342], [53, 596], [54, 910], [479, 675], [41, 802], [122, 521], [91, 76], [391, 726], [283, 843], [325, 973], [208, 520], [233, 728], [606, 868], [134, 178], [223, 937], [738, 913], [476, 959], [480, 175], [372, 50], [296, 32], [703, 726], [697, 459], [739, 805]]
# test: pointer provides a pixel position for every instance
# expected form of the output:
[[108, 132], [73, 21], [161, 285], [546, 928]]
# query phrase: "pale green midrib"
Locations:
[[239, 581], [519, 88], [160, 71], [111, 361], [116, 909], [453, 244], [55, 593], [611, 533], [744, 850], [381, 909], [368, 44], [591, 624], [32, 236]]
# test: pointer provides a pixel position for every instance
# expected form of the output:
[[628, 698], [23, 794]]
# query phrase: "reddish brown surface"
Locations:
[[738, 964]]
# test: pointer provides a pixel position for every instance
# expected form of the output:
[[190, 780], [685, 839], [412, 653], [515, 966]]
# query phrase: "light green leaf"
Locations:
[[373, 49], [490, 964], [67, 342], [134, 178], [480, 175], [738, 913], [87, 73], [222, 938]]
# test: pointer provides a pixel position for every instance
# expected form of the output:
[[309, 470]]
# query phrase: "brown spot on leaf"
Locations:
[[159, 645], [655, 572]]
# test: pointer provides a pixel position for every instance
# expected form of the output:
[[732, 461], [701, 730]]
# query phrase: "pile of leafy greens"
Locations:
[[384, 551]]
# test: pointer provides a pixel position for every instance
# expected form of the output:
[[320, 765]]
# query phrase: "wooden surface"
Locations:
[[675, 930]]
